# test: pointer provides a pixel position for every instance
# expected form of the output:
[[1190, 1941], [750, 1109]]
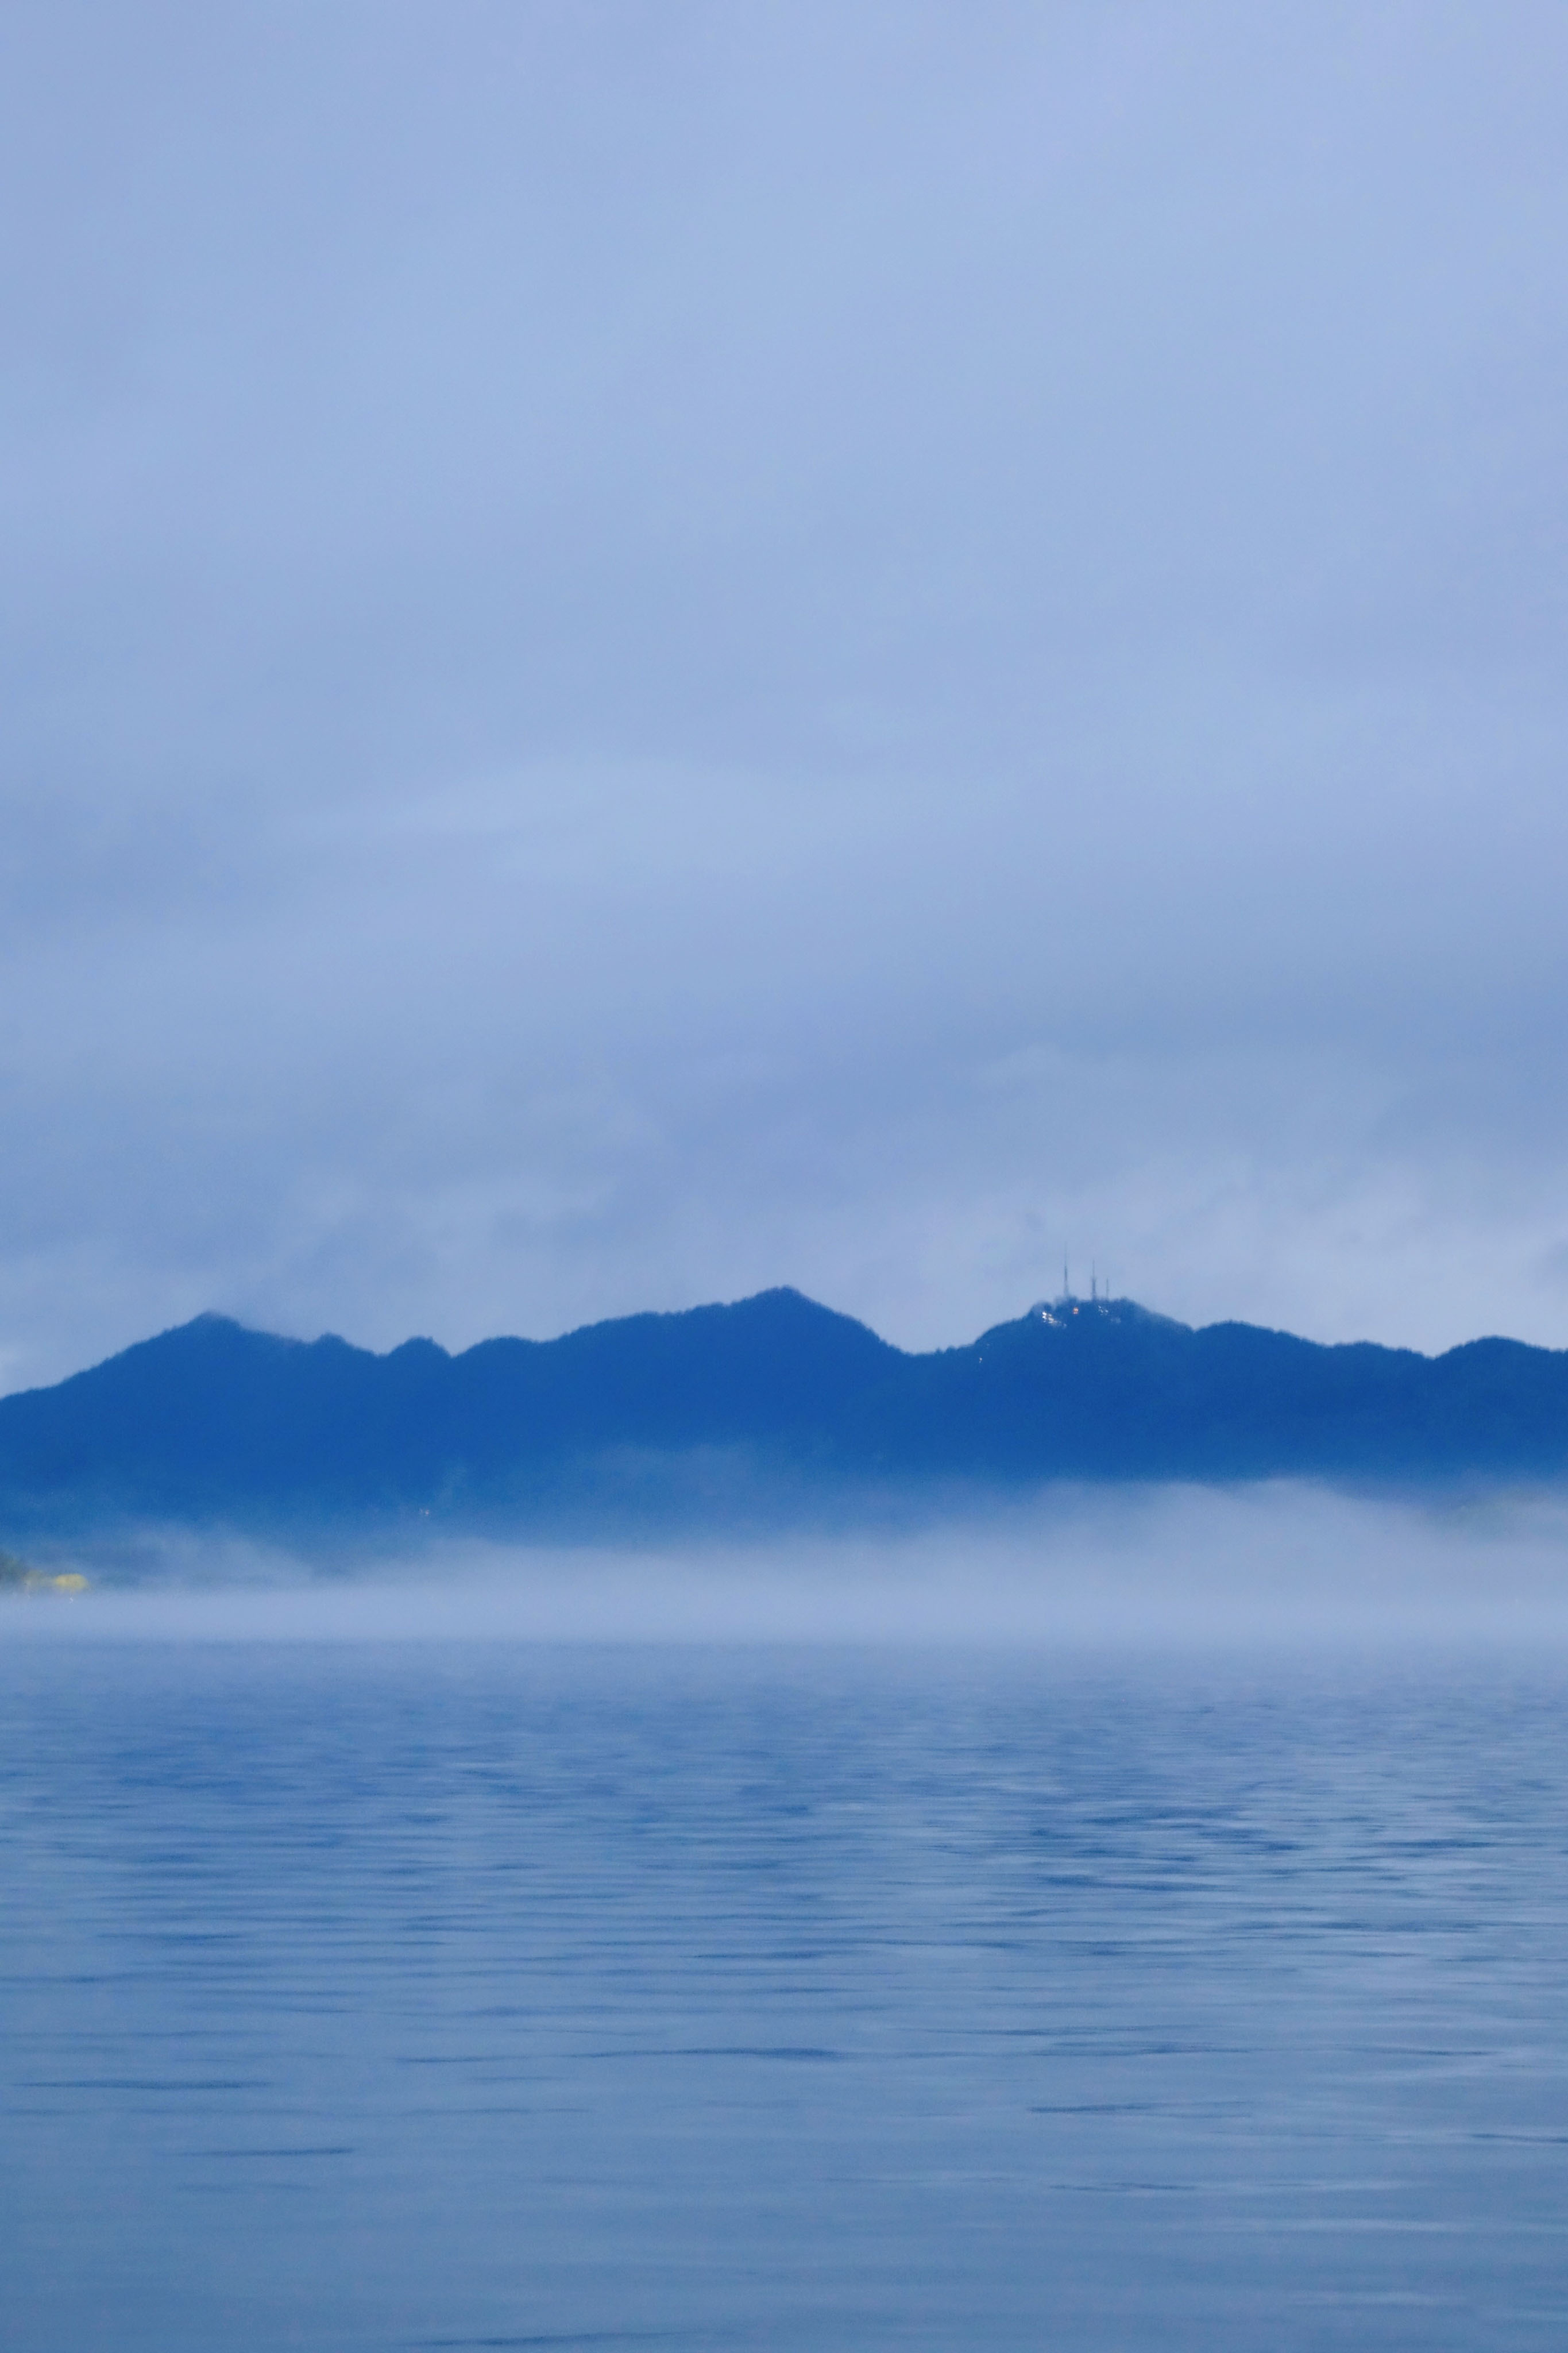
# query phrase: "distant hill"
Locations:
[[772, 1407]]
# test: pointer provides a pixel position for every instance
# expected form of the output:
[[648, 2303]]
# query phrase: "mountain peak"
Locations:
[[1067, 1309]]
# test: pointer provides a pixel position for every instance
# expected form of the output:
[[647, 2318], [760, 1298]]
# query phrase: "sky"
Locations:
[[652, 649]]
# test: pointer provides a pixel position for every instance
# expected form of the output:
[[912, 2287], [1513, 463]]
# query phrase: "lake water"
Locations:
[[452, 1994]]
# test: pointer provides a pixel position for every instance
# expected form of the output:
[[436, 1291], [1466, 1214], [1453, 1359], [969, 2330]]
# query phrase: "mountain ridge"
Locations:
[[767, 1405]]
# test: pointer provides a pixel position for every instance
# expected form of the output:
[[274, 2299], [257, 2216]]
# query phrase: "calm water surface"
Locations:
[[450, 1996]]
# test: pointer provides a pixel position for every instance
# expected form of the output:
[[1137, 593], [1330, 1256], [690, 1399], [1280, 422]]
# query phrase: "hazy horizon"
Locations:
[[1253, 1566]]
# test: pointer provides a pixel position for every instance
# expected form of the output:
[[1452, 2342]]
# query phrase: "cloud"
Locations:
[[653, 653]]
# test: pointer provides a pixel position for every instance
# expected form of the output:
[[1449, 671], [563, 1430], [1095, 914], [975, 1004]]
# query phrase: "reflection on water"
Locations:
[[528, 1995]]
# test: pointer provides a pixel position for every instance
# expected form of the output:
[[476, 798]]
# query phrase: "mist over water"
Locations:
[[1185, 1567]]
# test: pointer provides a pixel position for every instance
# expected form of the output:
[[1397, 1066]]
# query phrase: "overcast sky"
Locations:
[[649, 649]]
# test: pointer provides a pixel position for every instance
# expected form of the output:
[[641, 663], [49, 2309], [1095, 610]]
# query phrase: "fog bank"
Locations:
[[1148, 1567]]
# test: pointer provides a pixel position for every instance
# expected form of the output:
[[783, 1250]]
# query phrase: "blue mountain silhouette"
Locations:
[[772, 1405]]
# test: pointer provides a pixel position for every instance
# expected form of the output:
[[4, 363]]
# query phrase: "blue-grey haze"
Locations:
[[647, 651]]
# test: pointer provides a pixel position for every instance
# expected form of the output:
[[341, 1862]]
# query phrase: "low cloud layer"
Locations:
[[1277, 1566], [653, 652]]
